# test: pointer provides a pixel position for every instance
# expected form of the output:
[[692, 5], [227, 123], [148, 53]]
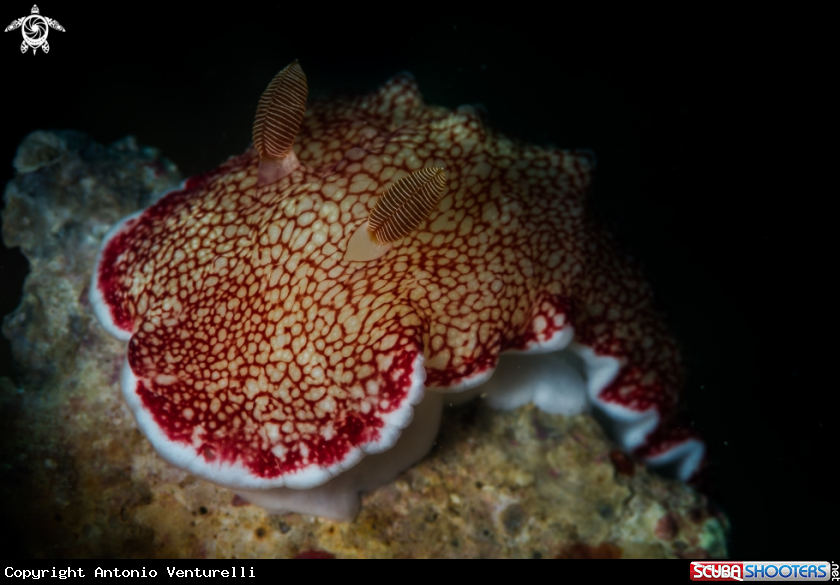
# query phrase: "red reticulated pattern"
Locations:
[[254, 341]]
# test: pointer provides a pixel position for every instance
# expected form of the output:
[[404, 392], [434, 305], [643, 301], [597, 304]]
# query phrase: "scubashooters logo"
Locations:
[[762, 571], [35, 29]]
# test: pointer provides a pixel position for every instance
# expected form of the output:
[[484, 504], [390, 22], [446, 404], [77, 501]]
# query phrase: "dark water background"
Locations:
[[679, 116]]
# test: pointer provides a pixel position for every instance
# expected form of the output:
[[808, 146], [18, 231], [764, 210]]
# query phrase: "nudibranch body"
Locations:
[[267, 356]]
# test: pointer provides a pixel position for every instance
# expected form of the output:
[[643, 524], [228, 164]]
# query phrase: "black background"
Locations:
[[702, 172]]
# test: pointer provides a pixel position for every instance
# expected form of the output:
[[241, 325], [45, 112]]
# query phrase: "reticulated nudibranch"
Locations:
[[295, 316]]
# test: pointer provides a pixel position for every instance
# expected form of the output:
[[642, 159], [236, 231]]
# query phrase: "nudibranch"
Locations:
[[297, 317]]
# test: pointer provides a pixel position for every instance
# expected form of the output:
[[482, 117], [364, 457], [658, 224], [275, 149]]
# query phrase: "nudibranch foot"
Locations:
[[338, 498], [569, 382], [554, 382]]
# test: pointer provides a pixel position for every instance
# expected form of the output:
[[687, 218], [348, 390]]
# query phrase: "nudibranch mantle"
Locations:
[[260, 359]]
